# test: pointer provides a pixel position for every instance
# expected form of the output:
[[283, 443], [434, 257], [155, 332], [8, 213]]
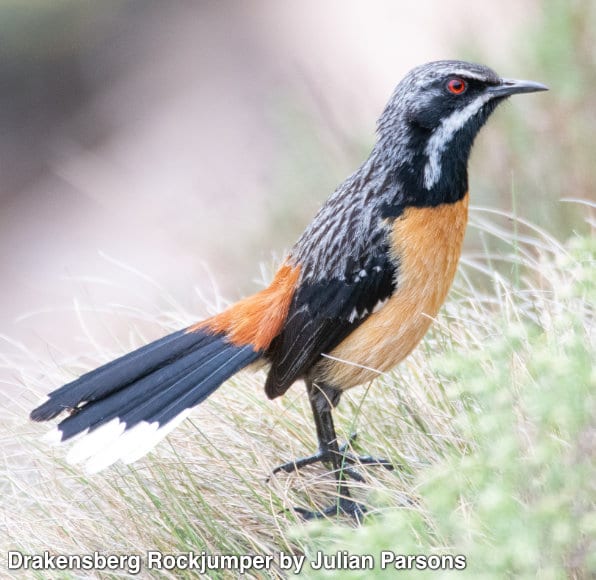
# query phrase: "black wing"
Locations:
[[324, 312]]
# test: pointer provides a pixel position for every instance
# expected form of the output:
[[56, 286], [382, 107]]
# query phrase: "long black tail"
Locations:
[[127, 406]]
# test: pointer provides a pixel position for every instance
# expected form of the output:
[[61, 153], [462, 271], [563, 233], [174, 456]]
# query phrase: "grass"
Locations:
[[490, 423]]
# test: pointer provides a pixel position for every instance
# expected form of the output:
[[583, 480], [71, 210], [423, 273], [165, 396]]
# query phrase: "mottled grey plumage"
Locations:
[[347, 228]]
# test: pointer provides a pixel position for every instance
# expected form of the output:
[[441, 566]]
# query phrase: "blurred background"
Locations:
[[149, 148]]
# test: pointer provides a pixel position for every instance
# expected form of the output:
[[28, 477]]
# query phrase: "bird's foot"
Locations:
[[320, 456], [347, 459], [363, 459]]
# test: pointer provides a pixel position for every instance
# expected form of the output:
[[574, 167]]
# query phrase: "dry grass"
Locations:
[[207, 488]]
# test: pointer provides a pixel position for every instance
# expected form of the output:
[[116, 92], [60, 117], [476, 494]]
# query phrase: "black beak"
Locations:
[[511, 87]]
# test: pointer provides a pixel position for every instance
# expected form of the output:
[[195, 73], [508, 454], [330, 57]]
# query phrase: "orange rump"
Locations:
[[258, 319]]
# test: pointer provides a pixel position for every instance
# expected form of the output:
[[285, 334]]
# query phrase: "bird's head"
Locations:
[[429, 125]]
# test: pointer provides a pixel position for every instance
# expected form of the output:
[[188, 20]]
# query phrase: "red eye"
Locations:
[[456, 86]]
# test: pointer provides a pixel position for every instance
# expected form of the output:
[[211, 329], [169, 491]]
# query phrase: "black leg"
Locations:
[[322, 400]]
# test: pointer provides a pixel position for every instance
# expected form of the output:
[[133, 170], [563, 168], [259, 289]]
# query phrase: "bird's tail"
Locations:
[[127, 406], [124, 408]]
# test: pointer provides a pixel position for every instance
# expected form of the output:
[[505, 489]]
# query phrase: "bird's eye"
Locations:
[[457, 86]]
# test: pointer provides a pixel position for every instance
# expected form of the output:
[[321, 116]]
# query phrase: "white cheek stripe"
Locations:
[[443, 135]]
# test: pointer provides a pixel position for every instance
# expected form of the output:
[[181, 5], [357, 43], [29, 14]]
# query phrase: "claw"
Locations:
[[344, 506]]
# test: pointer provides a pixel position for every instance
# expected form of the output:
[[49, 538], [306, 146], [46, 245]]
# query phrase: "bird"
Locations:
[[352, 298]]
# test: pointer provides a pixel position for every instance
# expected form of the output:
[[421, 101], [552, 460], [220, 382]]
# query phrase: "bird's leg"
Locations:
[[322, 400]]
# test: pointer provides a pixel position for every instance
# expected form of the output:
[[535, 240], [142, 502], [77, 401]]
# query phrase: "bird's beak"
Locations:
[[511, 87]]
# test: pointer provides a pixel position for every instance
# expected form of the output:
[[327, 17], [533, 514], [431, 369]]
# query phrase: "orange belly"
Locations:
[[427, 244]]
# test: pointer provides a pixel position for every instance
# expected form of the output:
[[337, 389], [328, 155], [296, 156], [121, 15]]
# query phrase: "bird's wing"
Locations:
[[324, 311]]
